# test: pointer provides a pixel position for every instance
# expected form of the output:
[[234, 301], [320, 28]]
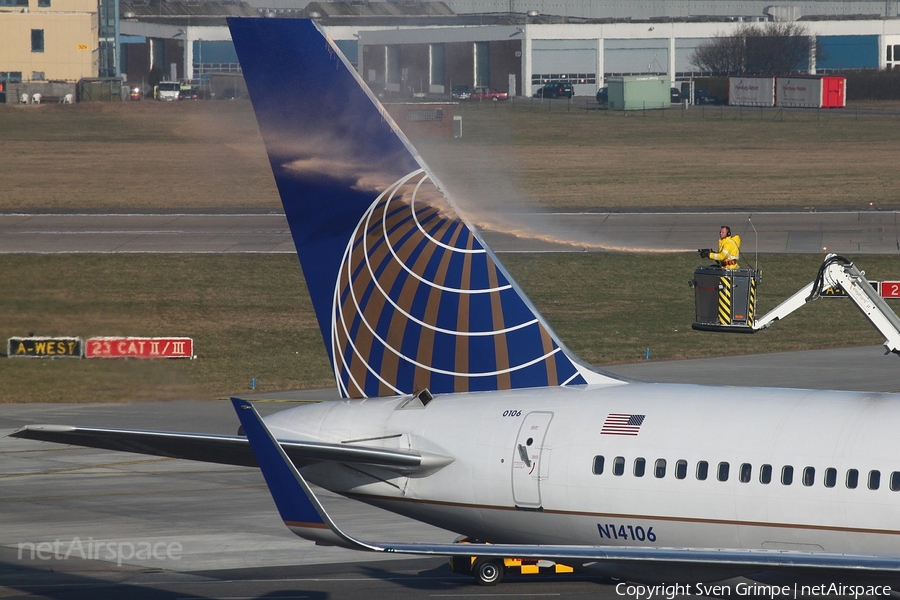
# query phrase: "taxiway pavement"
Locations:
[[847, 232], [214, 530]]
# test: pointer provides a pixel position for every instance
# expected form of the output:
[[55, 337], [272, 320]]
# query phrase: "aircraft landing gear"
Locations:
[[488, 571]]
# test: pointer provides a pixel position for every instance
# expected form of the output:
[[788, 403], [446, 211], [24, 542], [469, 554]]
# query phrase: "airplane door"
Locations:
[[528, 452]]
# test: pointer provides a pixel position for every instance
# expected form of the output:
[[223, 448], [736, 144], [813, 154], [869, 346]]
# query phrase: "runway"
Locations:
[[848, 232]]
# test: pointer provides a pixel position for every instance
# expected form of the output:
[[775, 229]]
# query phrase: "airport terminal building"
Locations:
[[423, 48], [522, 57]]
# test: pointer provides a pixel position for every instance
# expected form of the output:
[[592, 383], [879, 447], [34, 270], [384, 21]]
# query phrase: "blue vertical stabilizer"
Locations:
[[407, 295]]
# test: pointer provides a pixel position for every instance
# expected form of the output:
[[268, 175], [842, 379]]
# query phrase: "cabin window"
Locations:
[[787, 475], [722, 471], [619, 465], [895, 481], [809, 476], [874, 480], [830, 477], [702, 470], [681, 469], [746, 472], [659, 470], [765, 474], [598, 465], [639, 465], [852, 478]]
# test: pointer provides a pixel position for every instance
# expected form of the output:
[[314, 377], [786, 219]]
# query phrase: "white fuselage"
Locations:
[[547, 492]]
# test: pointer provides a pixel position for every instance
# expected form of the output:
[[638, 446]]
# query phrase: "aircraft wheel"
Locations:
[[488, 571]]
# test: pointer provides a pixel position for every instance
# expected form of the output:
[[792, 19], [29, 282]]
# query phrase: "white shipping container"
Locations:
[[751, 91], [799, 92]]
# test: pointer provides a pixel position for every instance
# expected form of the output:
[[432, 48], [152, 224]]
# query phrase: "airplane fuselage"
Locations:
[[697, 467]]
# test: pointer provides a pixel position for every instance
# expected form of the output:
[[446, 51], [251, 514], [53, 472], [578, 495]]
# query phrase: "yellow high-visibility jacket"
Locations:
[[729, 252]]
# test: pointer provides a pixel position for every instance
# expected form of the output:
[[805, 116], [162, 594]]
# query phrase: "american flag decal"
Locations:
[[621, 424]]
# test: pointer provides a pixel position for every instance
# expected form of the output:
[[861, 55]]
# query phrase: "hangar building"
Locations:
[[521, 57], [426, 47]]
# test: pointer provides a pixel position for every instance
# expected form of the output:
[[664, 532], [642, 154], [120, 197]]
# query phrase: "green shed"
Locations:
[[639, 92]]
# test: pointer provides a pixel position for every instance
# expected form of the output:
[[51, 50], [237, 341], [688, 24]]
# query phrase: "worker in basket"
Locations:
[[729, 249]]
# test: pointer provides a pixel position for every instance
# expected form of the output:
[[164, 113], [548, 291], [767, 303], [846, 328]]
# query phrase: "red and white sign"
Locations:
[[799, 92], [139, 347], [751, 91], [890, 289]]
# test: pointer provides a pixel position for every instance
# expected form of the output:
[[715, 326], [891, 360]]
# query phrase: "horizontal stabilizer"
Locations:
[[230, 449]]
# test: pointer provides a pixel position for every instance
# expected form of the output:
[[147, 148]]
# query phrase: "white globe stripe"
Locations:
[[390, 248], [569, 380], [338, 315], [364, 360], [427, 367], [334, 342], [421, 323], [415, 217], [386, 296]]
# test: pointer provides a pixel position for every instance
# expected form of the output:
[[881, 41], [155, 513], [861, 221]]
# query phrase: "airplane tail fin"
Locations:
[[406, 293]]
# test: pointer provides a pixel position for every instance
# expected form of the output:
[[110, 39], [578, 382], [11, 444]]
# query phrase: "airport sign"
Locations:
[[139, 347], [44, 347]]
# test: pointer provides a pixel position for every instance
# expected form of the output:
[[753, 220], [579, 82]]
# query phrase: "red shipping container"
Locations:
[[834, 92]]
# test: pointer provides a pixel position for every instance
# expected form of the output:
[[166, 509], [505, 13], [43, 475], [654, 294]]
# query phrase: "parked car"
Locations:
[[168, 91], [555, 89], [460, 92], [603, 96], [190, 92], [704, 97], [675, 95], [484, 92]]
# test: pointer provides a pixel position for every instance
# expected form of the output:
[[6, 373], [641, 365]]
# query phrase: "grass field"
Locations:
[[209, 156], [719, 158], [251, 318], [250, 315], [141, 156]]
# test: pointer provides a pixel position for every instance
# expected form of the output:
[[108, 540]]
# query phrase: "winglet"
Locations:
[[298, 506]]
